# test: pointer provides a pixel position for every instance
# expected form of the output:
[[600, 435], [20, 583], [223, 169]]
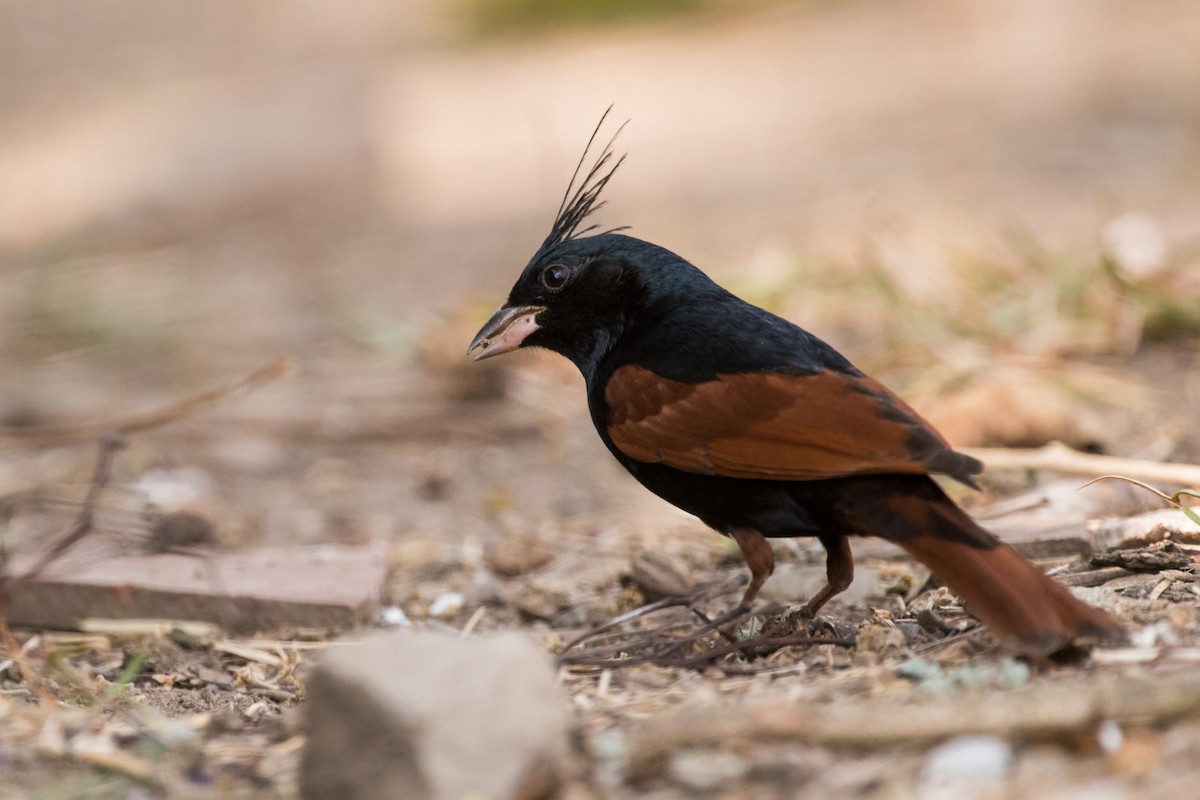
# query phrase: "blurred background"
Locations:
[[994, 207]]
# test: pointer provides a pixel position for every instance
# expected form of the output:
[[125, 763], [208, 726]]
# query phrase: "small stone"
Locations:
[[516, 553], [1136, 245], [430, 717], [919, 669], [881, 639], [1013, 673], [970, 676], [420, 554], [174, 489], [52, 738], [394, 616], [911, 630], [965, 767], [1109, 736], [538, 602], [483, 590], [177, 530], [658, 575], [705, 770], [449, 604]]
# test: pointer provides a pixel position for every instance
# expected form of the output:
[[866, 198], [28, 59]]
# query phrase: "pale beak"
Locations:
[[505, 331]]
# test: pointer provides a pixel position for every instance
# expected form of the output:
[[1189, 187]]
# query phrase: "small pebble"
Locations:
[[394, 615], [705, 770], [911, 630], [173, 489], [881, 639], [970, 675], [1109, 736], [538, 602], [964, 767], [180, 529], [516, 553], [51, 739], [610, 750], [918, 669], [1013, 673], [658, 575], [446, 605]]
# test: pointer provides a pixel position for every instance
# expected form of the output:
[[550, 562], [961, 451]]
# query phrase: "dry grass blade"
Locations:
[[248, 652], [1172, 499]]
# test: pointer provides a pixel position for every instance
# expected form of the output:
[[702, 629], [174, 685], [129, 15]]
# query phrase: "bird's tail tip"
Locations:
[[1029, 612]]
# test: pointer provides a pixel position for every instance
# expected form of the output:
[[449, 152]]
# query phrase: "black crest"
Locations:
[[581, 201]]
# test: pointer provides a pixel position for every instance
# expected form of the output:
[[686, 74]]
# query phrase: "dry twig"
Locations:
[[672, 644], [1056, 709], [1057, 457], [53, 435], [84, 521]]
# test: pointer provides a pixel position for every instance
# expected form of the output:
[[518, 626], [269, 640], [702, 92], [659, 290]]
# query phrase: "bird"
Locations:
[[759, 428]]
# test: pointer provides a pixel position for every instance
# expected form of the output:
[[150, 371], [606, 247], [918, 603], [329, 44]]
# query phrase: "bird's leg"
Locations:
[[760, 558], [839, 573]]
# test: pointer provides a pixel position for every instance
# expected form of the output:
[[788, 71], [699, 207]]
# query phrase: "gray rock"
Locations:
[[424, 716]]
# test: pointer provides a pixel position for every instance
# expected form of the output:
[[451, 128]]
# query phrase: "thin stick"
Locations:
[[52, 435], [690, 601], [609, 646], [474, 621], [1039, 711], [1057, 457], [84, 522]]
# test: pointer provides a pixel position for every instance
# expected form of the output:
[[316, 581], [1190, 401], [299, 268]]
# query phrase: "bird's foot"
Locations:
[[728, 624], [803, 620]]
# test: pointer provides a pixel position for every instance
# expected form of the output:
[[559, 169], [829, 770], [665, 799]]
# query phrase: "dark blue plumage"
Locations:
[[758, 427]]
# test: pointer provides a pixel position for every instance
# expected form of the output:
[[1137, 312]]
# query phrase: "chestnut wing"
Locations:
[[775, 426]]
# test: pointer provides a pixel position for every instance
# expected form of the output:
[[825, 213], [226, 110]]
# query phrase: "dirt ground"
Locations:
[[995, 209]]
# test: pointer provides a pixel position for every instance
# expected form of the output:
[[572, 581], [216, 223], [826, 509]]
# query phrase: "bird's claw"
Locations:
[[728, 624], [804, 619]]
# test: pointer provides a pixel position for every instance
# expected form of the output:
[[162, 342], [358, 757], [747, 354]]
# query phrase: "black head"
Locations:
[[578, 293]]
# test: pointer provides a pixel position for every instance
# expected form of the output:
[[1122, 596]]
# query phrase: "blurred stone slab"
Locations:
[[244, 592], [427, 716]]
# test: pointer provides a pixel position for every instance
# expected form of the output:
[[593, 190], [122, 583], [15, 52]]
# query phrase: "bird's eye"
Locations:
[[554, 277]]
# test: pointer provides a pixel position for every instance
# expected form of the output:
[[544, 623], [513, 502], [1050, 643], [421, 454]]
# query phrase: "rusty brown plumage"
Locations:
[[775, 426]]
